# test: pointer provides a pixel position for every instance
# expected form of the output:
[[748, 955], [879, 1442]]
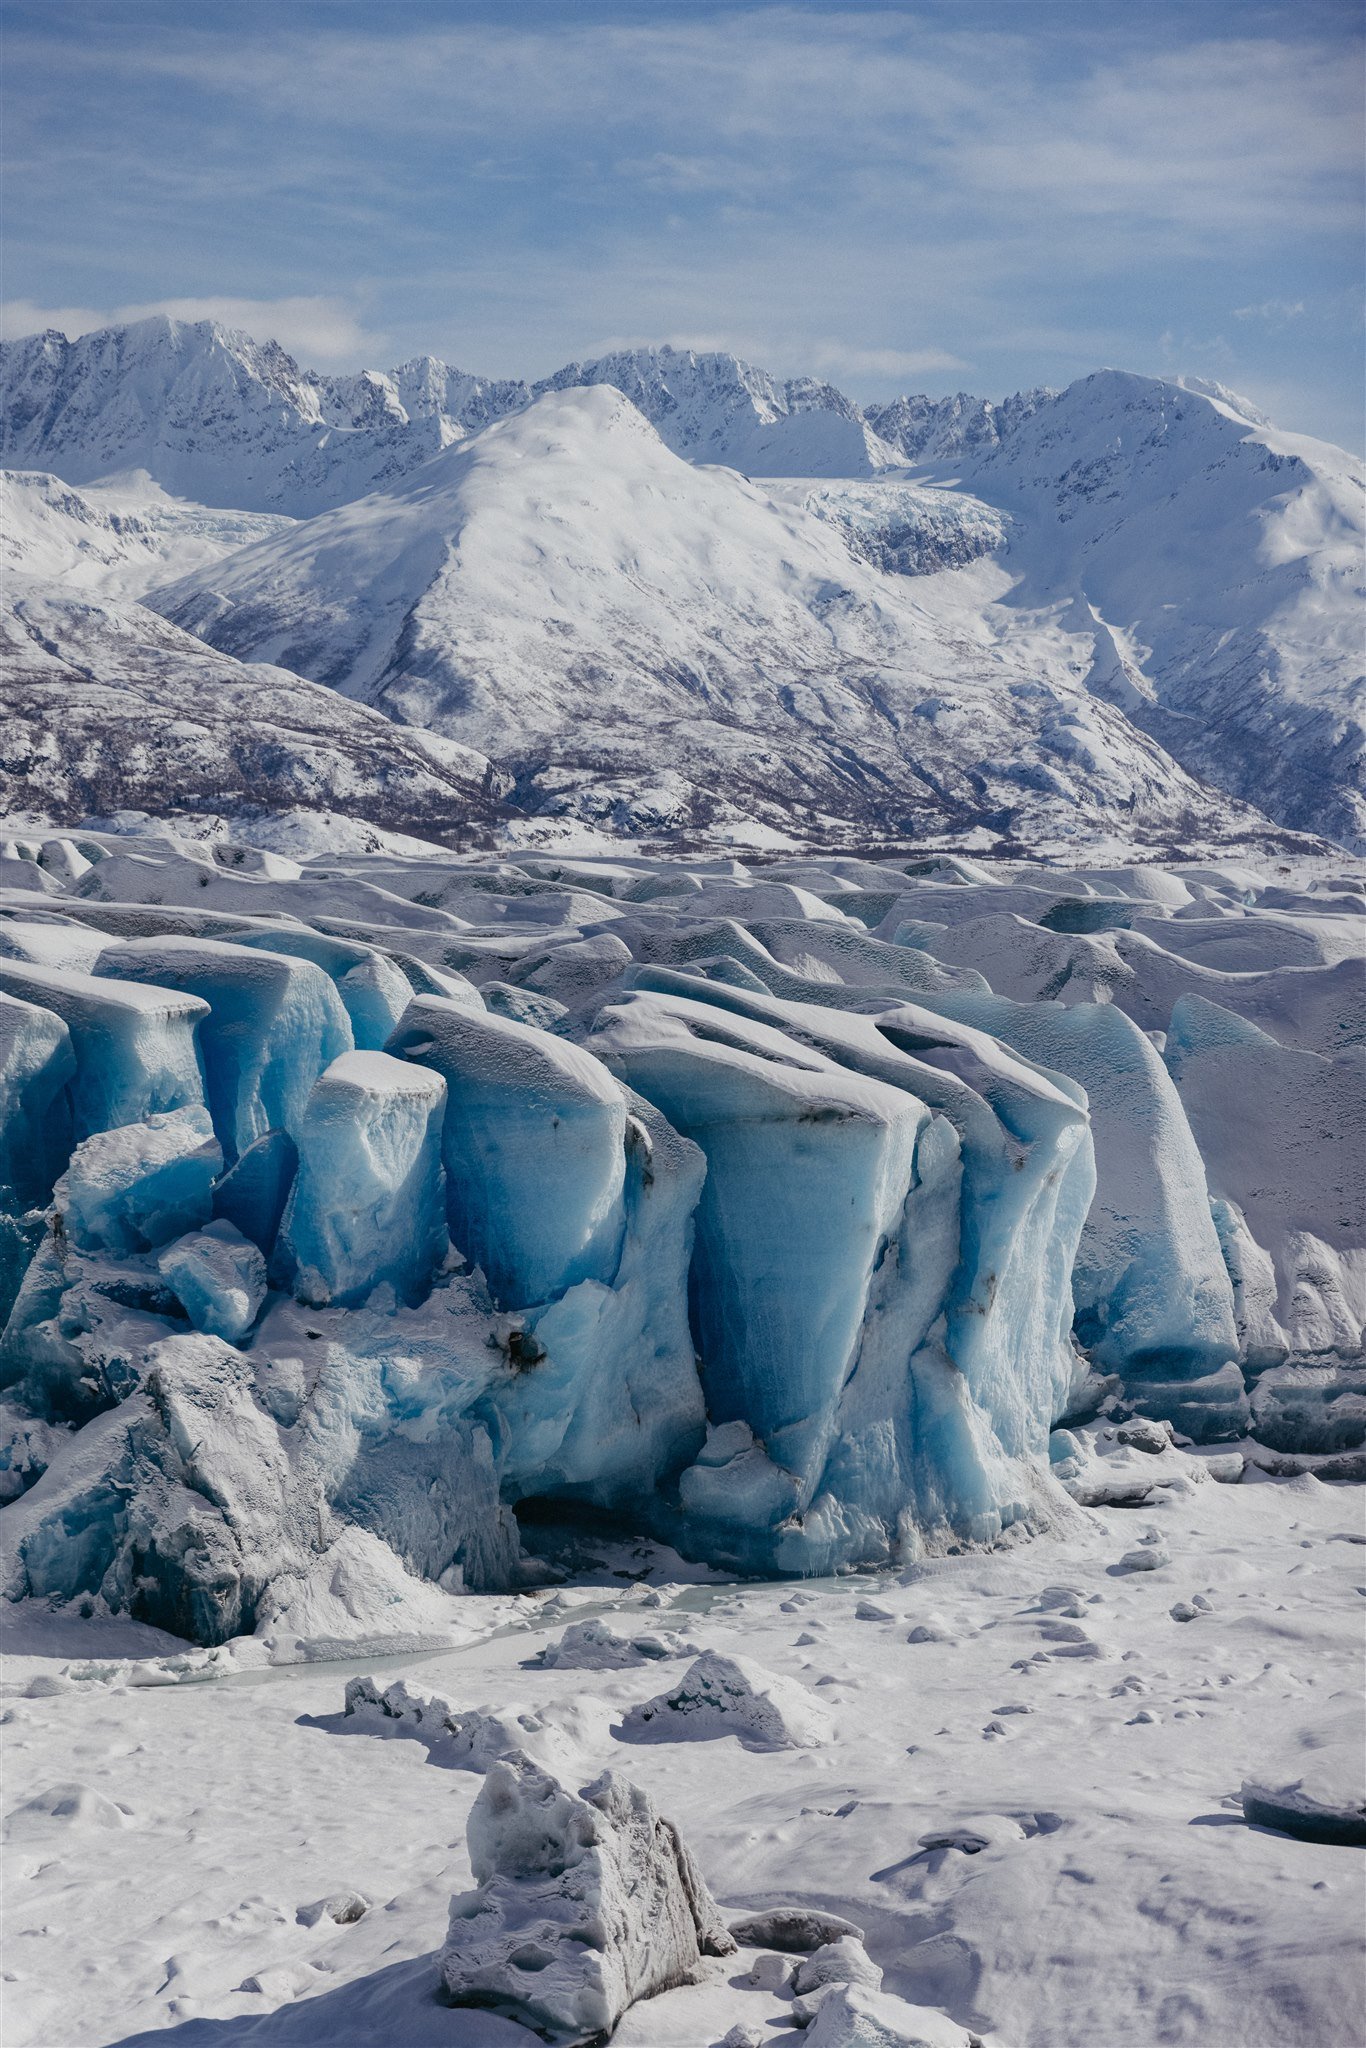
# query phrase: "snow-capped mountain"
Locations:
[[1218, 564], [221, 420], [662, 646], [212, 416], [716, 408], [920, 429], [107, 706], [1150, 554]]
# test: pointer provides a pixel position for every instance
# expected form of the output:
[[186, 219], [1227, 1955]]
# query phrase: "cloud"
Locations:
[[1273, 312], [318, 330], [839, 359], [948, 185]]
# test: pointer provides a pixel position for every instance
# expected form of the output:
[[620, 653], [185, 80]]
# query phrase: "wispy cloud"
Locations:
[[1274, 312], [843, 359], [320, 330], [931, 183]]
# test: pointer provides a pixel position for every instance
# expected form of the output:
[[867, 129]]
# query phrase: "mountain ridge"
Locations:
[[1151, 550]]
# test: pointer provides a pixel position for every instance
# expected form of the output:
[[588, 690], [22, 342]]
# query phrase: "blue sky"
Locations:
[[961, 194]]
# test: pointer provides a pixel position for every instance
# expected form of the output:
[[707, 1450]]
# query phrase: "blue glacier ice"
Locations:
[[91, 1298], [134, 1187], [374, 992], [1290, 1179], [218, 1277], [534, 1146], [953, 1236], [272, 1024], [808, 1169], [716, 1211], [135, 1048], [37, 1067], [253, 1192], [368, 1205], [1152, 1292], [611, 1403]]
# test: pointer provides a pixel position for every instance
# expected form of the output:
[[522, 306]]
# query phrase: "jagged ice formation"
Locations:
[[782, 1213]]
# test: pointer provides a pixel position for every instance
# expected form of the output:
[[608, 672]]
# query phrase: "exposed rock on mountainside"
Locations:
[[1110, 580], [655, 647]]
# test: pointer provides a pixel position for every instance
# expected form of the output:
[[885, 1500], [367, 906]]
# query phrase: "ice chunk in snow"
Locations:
[[134, 1047], [274, 1023], [368, 1203], [842, 1961], [585, 1903], [795, 1929], [219, 1278], [534, 1148], [730, 1696], [343, 1908], [1321, 1797], [132, 1188], [595, 1646], [253, 1192], [472, 1738], [854, 2017], [1308, 1807]]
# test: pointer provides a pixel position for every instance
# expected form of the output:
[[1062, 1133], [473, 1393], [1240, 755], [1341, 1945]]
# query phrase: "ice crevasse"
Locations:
[[794, 1280]]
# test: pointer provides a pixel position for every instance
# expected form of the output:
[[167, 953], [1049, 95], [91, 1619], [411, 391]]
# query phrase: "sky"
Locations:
[[946, 195]]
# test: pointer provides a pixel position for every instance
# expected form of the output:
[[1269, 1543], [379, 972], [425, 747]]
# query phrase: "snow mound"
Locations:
[[1322, 1799], [853, 2016], [796, 1930], [596, 1646], [721, 1695]]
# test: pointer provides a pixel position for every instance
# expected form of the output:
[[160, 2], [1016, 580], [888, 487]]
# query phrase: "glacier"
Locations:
[[418, 1201]]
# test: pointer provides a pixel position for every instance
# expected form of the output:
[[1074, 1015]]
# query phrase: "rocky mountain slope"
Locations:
[[658, 646], [929, 616], [107, 706]]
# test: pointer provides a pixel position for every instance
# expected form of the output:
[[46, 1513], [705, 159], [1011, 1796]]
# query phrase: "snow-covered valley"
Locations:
[[865, 1353]]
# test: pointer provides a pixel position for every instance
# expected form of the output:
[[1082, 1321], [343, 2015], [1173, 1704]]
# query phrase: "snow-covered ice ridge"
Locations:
[[664, 596], [781, 1213]]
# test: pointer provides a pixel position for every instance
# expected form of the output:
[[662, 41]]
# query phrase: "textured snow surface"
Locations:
[[674, 597], [172, 1826]]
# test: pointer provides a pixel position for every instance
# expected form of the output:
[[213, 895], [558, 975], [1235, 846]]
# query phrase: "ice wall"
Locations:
[[534, 1145], [368, 1205], [1152, 1293], [345, 1212], [271, 1023]]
